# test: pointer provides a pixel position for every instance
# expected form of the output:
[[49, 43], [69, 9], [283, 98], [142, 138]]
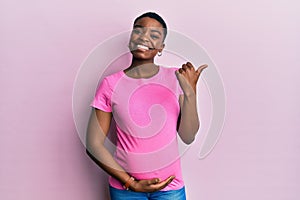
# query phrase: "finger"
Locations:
[[184, 67], [190, 65], [170, 179], [180, 70], [158, 183], [166, 182], [201, 68], [153, 181], [179, 74]]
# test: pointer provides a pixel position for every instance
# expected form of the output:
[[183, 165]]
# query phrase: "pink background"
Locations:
[[255, 46]]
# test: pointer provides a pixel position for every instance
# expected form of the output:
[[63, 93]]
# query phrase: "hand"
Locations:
[[150, 185], [188, 76]]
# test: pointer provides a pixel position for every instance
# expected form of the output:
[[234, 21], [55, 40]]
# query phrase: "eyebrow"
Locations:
[[153, 30]]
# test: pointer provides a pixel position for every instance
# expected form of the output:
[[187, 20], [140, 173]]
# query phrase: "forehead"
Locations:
[[148, 22]]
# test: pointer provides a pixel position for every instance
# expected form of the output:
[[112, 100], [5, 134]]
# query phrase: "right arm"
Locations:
[[97, 131]]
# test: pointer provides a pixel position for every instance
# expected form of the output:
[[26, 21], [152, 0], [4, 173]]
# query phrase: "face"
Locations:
[[146, 38]]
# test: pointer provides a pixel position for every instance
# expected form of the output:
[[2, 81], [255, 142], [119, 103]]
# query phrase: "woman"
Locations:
[[149, 104]]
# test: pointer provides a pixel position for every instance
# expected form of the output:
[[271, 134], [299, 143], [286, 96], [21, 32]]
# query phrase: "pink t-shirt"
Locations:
[[146, 112]]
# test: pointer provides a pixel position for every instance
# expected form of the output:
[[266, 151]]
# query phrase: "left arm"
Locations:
[[188, 119]]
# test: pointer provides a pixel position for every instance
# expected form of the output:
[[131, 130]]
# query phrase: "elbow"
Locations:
[[89, 149], [92, 146], [88, 152], [188, 140], [88, 146], [93, 151], [188, 136]]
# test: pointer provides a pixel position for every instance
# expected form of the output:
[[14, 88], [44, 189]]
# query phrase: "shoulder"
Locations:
[[168, 71], [111, 79]]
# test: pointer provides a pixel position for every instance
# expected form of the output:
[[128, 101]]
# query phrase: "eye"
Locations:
[[154, 36], [137, 31]]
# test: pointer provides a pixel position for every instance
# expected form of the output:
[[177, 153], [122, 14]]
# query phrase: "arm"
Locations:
[[188, 119], [97, 131]]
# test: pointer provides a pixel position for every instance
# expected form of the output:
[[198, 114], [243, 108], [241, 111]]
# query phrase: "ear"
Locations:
[[161, 47]]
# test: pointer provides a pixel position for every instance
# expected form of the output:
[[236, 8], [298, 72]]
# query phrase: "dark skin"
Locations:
[[145, 42], [147, 32]]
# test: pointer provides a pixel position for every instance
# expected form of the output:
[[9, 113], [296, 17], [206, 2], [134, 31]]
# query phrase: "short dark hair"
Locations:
[[156, 17]]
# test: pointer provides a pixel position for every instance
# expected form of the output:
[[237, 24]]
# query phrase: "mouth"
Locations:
[[143, 47]]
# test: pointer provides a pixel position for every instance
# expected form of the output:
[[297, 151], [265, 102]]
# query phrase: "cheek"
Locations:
[[133, 37], [158, 44]]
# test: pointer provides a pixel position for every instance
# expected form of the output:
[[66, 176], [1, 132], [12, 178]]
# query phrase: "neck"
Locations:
[[141, 68], [140, 62]]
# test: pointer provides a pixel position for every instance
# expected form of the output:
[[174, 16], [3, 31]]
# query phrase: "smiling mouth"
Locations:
[[143, 47]]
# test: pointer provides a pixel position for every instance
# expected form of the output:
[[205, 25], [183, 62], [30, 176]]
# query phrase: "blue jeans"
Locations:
[[116, 194]]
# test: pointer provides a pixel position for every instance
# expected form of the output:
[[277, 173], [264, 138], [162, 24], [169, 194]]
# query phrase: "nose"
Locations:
[[144, 36]]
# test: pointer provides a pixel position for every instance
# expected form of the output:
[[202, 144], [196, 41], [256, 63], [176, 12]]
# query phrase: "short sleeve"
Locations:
[[102, 99]]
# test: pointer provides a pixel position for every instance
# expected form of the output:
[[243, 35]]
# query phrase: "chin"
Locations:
[[141, 55]]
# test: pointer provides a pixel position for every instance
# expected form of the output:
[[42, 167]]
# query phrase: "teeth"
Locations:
[[142, 47]]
